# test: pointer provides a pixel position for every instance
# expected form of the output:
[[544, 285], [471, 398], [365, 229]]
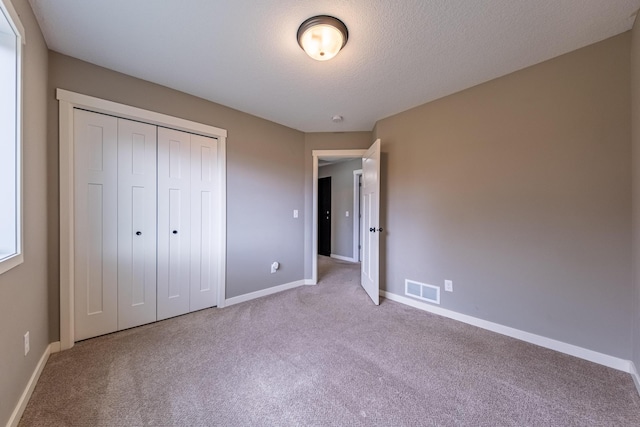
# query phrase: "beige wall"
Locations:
[[265, 175], [323, 141], [635, 134], [23, 290], [519, 190]]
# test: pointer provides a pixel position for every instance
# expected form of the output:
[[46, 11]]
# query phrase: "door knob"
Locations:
[[380, 229], [175, 231], [372, 229], [138, 233]]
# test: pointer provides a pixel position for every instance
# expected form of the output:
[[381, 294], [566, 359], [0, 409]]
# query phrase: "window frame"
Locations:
[[17, 258]]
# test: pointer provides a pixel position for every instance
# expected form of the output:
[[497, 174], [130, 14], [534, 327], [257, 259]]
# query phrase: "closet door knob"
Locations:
[[138, 233], [175, 231], [372, 229]]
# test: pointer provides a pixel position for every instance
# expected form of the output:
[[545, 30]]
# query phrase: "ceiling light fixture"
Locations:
[[322, 37]]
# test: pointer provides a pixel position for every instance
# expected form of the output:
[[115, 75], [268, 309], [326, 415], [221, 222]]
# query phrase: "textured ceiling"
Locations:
[[400, 54]]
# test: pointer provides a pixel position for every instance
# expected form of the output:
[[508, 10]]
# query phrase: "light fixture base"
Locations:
[[322, 36]]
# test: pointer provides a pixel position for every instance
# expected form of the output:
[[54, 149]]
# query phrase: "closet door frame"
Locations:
[[67, 102]]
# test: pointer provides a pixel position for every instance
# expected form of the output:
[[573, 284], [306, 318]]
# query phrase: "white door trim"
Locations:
[[67, 102], [355, 255], [319, 154]]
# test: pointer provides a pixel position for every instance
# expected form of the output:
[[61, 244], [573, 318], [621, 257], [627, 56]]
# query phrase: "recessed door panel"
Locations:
[[136, 223], [204, 220], [94, 245], [95, 228], [176, 267], [205, 248], [174, 233]]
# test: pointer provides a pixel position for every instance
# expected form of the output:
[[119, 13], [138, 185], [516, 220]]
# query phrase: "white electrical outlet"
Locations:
[[347, 214], [295, 213], [448, 285], [26, 343]]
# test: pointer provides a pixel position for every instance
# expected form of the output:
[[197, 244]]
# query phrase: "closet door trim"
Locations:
[[67, 102]]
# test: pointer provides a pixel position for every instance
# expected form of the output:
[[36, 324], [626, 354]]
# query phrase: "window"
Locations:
[[10, 138]]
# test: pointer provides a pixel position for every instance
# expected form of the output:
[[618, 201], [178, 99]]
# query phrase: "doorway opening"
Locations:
[[339, 208], [369, 212], [321, 160]]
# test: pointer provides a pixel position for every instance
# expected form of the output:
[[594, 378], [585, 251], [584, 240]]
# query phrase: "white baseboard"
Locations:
[[343, 258], [263, 293], [562, 347], [310, 282], [635, 375], [26, 394]]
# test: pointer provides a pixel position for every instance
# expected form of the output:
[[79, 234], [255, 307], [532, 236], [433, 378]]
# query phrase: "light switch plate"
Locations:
[[27, 347]]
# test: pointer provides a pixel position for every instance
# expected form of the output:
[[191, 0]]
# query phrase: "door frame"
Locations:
[[356, 215], [317, 155], [67, 102]]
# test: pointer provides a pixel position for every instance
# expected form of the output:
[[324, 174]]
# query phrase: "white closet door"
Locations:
[[136, 223], [174, 175], [95, 233], [204, 220]]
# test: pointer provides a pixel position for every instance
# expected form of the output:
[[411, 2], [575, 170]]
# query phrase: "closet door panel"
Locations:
[[204, 217], [174, 156], [95, 232], [136, 223]]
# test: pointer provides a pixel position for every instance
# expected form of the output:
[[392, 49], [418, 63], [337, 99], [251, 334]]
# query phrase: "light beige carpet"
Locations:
[[324, 355]]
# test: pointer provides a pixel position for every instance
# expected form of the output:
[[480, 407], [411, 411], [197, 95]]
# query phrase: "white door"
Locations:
[[96, 229], [174, 176], [204, 220], [370, 277], [136, 223]]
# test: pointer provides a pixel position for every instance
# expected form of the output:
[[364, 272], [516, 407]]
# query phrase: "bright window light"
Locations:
[[10, 140]]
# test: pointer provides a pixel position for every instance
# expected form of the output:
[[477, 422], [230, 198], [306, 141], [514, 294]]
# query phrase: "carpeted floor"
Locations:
[[324, 355]]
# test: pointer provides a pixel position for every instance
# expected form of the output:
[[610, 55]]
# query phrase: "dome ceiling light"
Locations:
[[322, 37]]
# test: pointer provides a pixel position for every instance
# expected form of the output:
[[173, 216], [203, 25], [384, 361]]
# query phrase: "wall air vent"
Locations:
[[422, 291]]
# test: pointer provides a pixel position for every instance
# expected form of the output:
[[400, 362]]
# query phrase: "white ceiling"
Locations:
[[400, 54]]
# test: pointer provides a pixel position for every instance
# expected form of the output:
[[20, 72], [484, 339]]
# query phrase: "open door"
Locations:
[[370, 277]]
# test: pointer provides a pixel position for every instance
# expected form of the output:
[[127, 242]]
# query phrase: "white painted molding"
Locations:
[[13, 19], [17, 27], [99, 105], [222, 224], [356, 215], [67, 238], [310, 282], [314, 222], [14, 419], [264, 292], [338, 153], [55, 347], [635, 375], [562, 347], [343, 258]]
